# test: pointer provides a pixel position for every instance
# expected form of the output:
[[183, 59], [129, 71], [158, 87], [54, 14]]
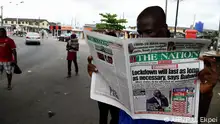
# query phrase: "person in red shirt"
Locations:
[[8, 55], [72, 47]]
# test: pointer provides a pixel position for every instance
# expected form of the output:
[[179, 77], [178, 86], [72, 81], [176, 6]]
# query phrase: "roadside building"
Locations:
[[78, 32], [27, 25], [57, 29], [88, 27]]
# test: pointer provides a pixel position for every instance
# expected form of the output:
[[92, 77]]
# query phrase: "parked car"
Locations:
[[178, 35], [64, 37], [19, 33], [33, 37]]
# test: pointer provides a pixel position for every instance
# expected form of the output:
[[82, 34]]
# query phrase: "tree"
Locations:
[[110, 22]]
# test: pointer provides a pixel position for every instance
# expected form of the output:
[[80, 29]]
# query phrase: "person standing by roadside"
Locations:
[[104, 108], [72, 47], [151, 22], [8, 55]]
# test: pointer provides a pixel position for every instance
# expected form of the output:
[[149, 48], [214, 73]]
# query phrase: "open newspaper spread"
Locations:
[[148, 78]]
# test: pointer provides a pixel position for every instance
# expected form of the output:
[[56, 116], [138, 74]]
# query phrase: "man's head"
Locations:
[[151, 22], [157, 93], [73, 36], [3, 33]]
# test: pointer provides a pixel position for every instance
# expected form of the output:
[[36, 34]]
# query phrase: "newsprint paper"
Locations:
[[148, 78]]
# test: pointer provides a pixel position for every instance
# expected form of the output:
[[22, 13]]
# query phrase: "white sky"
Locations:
[[87, 11]]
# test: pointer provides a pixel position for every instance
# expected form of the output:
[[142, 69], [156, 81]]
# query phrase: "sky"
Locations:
[[82, 12]]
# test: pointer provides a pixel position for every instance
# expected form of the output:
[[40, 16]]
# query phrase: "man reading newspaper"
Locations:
[[151, 22]]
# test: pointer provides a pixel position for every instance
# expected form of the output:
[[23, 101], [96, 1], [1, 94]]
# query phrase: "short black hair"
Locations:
[[156, 12], [111, 34], [3, 31], [73, 36]]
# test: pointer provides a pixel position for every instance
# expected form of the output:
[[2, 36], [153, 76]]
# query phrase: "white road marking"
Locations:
[[29, 71]]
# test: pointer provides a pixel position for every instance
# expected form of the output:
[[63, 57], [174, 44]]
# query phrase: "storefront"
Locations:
[[78, 32]]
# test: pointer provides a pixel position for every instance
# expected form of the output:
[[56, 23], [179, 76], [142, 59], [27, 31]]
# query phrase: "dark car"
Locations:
[[64, 37], [178, 35], [19, 33]]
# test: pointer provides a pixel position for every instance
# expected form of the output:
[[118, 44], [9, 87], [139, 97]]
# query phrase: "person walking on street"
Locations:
[[42, 34], [104, 108], [8, 55], [151, 22], [72, 47]]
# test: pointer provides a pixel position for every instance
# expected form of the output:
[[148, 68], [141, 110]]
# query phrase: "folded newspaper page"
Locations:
[[148, 78]]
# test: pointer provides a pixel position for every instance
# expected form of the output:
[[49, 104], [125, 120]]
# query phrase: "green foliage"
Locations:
[[110, 22], [211, 35]]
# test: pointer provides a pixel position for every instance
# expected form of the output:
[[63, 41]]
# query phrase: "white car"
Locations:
[[33, 37]]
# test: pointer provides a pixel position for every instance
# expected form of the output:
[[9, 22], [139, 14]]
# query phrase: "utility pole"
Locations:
[[17, 10], [177, 11], [218, 42], [78, 25], [123, 18], [123, 15], [39, 24], [2, 16], [17, 16], [166, 8], [75, 22], [194, 19], [72, 22]]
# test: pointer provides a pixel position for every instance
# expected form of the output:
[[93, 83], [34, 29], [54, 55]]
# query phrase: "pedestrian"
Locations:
[[72, 47], [104, 108], [8, 55], [42, 34], [151, 22]]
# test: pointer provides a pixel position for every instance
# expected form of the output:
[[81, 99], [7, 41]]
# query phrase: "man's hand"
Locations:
[[208, 76], [162, 96], [15, 56], [91, 68]]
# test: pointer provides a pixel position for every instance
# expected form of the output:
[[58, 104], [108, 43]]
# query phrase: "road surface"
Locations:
[[43, 87]]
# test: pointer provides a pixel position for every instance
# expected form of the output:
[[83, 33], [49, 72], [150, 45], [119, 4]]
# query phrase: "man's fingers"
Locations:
[[205, 71], [92, 68], [208, 58], [210, 79], [90, 58]]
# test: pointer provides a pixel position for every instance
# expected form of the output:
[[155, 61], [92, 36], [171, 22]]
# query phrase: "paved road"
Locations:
[[43, 87]]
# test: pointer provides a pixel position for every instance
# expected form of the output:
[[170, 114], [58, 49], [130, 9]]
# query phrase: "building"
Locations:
[[26, 24], [57, 30], [178, 29], [89, 27], [78, 32], [52, 23]]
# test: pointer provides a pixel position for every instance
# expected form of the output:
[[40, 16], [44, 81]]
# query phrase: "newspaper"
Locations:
[[148, 78]]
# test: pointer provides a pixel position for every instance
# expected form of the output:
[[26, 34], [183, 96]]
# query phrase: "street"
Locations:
[[43, 87]]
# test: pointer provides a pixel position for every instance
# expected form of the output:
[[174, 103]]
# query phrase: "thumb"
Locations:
[[90, 58]]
